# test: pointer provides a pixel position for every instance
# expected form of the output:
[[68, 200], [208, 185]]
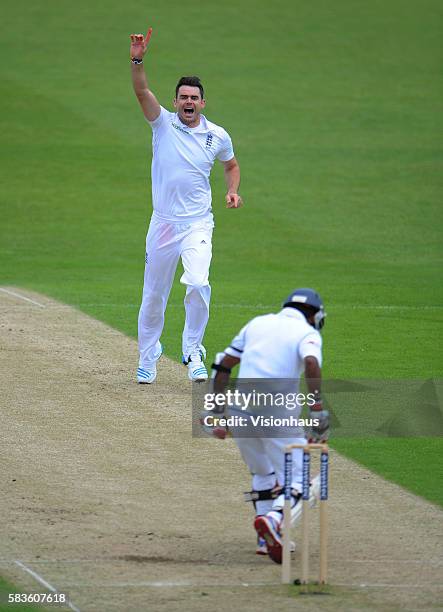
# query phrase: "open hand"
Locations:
[[139, 44]]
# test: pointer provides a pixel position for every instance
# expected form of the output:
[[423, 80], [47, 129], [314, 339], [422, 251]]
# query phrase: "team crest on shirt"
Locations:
[[208, 144]]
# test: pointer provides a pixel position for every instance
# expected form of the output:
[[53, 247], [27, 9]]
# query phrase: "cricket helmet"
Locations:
[[307, 297]]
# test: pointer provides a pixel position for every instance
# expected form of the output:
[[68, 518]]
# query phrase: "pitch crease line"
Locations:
[[407, 561], [106, 560], [22, 297], [385, 585], [43, 582], [165, 584], [272, 306], [199, 585]]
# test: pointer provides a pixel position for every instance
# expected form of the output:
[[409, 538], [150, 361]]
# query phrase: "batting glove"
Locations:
[[320, 432]]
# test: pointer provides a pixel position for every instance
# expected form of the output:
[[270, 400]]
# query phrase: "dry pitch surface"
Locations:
[[105, 495]]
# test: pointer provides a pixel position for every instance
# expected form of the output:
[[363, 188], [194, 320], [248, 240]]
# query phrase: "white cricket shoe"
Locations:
[[201, 349], [196, 368], [148, 374]]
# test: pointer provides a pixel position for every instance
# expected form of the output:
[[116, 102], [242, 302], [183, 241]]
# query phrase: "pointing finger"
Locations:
[[148, 36]]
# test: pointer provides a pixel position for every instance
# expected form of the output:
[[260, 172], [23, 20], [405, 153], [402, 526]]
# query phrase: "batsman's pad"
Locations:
[[314, 494], [296, 505], [263, 499]]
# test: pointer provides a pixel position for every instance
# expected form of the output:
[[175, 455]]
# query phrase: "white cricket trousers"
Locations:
[[265, 460], [165, 244]]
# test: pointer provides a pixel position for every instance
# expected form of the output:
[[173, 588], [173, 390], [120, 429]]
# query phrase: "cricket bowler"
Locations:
[[185, 146]]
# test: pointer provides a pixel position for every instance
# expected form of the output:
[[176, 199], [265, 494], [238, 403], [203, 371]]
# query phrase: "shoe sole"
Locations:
[[263, 552], [197, 380], [265, 530]]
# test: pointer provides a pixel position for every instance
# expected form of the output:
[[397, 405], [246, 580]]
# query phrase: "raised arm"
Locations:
[[147, 100]]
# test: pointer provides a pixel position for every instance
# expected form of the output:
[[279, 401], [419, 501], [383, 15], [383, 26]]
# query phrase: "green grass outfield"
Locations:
[[335, 114]]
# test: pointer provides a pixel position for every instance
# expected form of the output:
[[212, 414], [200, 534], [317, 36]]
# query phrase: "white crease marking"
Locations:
[[22, 297], [46, 584]]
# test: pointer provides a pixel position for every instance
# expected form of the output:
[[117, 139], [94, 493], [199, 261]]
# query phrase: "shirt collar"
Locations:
[[293, 313], [201, 128]]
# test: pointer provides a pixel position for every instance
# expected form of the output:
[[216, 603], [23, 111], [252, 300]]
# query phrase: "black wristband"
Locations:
[[220, 368], [136, 61]]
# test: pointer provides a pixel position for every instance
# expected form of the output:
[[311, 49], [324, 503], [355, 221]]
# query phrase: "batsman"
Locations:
[[278, 346]]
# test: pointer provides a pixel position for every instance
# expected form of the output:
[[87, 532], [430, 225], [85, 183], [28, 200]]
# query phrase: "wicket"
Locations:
[[324, 475]]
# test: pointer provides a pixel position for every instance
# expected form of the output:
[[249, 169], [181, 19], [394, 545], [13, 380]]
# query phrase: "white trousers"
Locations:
[[265, 460], [165, 244]]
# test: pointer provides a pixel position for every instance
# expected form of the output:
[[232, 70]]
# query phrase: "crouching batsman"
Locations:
[[278, 346]]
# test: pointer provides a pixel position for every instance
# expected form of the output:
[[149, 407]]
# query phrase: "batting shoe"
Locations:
[[268, 528], [261, 549], [196, 368], [148, 374]]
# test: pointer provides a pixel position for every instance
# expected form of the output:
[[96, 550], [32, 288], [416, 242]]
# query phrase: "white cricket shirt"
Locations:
[[275, 345], [182, 159]]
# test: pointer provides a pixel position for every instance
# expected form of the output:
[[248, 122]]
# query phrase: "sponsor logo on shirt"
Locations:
[[208, 144], [179, 128]]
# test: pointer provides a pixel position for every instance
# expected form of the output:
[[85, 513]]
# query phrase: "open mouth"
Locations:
[[188, 111]]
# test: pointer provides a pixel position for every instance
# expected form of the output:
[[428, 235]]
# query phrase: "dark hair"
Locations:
[[191, 81]]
